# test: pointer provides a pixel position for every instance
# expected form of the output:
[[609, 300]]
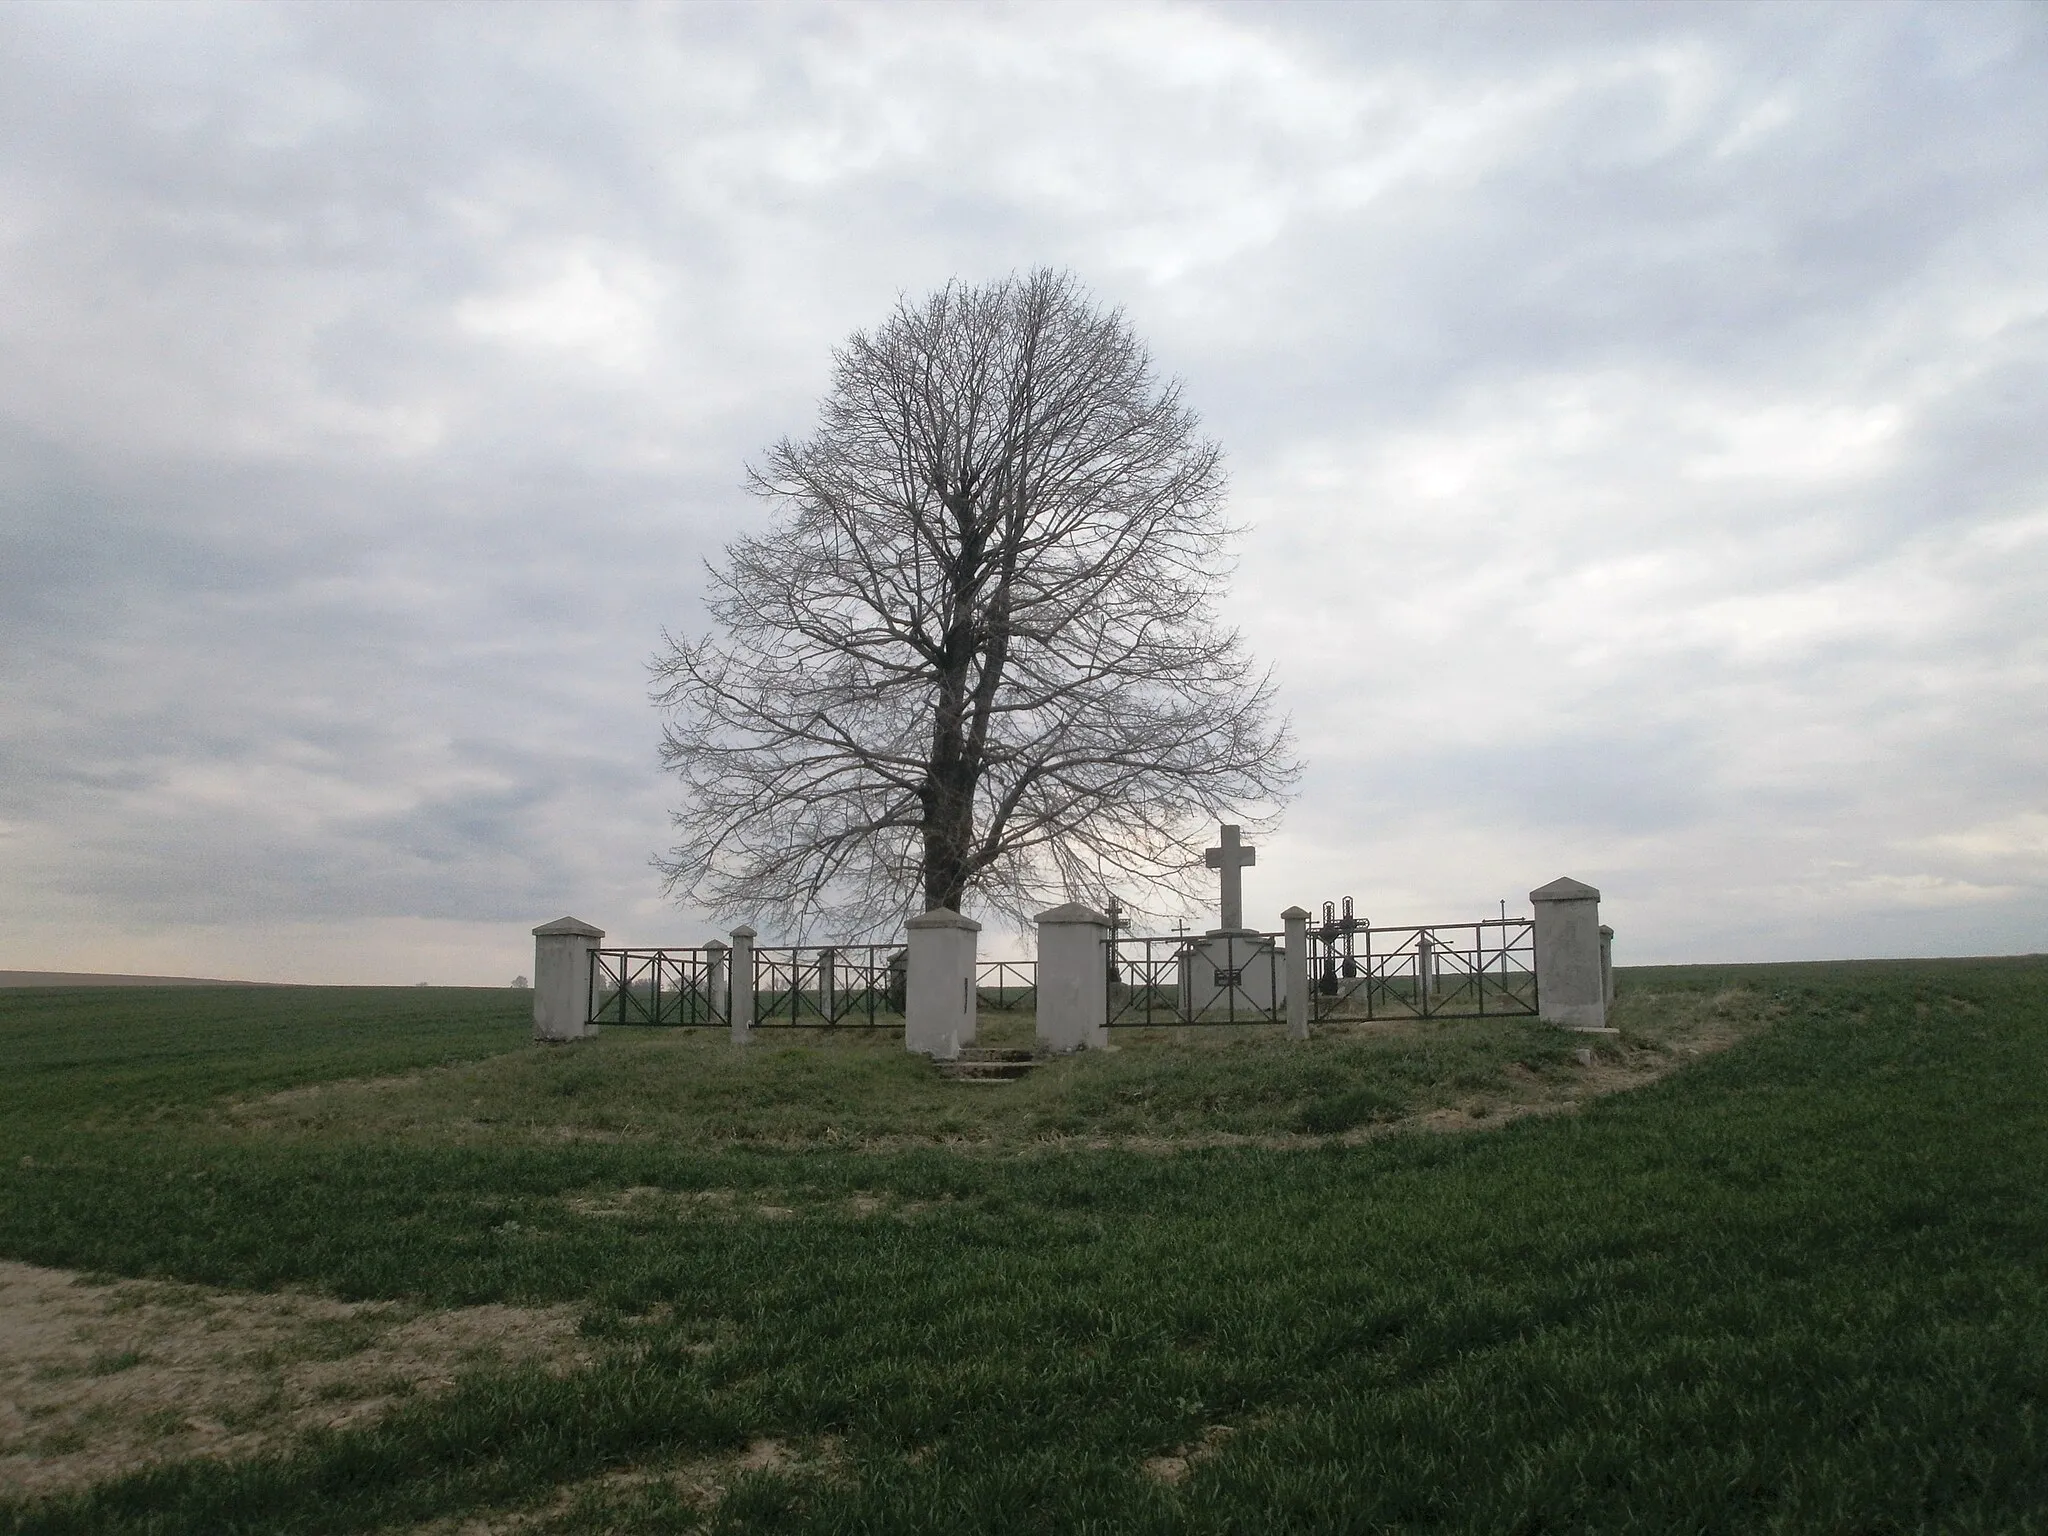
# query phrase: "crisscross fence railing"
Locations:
[[675, 988], [852, 986], [1434, 970], [1237, 978], [831, 986], [1006, 986]]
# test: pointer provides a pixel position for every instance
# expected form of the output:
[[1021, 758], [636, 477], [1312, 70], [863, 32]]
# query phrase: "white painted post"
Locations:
[[743, 1000], [561, 979], [1073, 978], [938, 1003], [1606, 965], [828, 983], [1569, 987], [717, 974], [1425, 969], [1296, 921]]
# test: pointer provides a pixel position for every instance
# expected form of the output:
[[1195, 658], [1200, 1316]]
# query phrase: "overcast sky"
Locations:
[[1639, 416]]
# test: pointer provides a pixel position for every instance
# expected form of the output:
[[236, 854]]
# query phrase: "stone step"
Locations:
[[982, 1064]]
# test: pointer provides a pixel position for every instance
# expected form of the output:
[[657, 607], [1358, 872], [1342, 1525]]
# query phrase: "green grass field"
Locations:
[[1206, 1282]]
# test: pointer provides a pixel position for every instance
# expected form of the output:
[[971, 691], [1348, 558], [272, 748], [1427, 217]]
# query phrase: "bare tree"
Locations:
[[977, 651]]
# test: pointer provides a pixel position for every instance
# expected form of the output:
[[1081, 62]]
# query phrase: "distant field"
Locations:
[[91, 979], [420, 1275]]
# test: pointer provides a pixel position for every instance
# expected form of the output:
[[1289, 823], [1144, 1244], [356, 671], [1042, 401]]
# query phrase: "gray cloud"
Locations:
[[1634, 410]]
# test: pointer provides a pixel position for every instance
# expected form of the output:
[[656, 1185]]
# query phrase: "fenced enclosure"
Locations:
[[1484, 969], [1235, 978], [1432, 971]]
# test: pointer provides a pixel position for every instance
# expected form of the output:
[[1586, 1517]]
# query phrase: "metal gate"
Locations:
[[675, 988], [1006, 986], [829, 986], [1233, 978], [1431, 971]]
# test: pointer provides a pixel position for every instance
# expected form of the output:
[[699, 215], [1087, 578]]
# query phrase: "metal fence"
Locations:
[[1007, 986], [676, 988], [1433, 971], [1236, 978], [831, 986], [1355, 971], [849, 986]]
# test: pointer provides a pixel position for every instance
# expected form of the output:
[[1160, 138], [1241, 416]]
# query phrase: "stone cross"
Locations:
[[1230, 860]]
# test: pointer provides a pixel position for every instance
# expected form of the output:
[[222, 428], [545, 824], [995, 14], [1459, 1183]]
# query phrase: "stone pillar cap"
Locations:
[[744, 931], [1606, 932], [1565, 888], [1294, 915], [1073, 912], [574, 926], [716, 944], [944, 917]]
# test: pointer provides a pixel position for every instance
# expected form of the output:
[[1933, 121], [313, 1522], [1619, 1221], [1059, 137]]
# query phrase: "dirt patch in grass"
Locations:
[[99, 1378], [1172, 1470], [627, 1498]]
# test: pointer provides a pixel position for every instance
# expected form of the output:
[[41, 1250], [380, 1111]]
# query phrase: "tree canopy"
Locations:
[[975, 657]]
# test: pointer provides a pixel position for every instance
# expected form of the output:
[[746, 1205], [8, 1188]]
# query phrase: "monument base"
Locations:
[[1232, 972]]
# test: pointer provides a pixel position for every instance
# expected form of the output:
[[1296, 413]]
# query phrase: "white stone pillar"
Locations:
[[1606, 965], [938, 1003], [561, 979], [1296, 921], [1425, 969], [1073, 978], [741, 1012], [828, 983], [1569, 988]]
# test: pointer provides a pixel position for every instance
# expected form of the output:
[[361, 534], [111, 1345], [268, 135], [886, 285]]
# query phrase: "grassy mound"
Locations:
[[1796, 1285]]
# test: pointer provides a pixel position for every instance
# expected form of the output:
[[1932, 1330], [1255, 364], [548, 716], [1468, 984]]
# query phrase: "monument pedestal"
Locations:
[[1231, 971]]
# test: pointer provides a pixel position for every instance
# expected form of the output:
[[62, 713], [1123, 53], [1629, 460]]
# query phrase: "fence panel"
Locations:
[[1237, 978], [1434, 971], [664, 988], [1006, 986], [828, 986]]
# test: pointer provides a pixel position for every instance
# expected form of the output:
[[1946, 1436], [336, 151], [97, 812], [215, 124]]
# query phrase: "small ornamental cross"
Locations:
[[1230, 860]]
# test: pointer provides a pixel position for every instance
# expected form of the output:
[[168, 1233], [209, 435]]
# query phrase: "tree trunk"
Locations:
[[948, 793], [948, 838]]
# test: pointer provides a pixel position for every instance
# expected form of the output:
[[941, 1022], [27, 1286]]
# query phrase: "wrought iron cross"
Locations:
[[1231, 860]]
